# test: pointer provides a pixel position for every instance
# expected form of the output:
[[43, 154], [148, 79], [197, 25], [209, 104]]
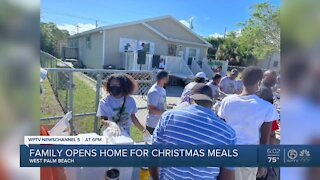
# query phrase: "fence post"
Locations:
[[98, 87], [73, 131], [56, 81]]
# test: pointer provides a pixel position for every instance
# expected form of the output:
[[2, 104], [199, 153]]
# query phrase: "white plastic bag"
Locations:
[[112, 130], [63, 124]]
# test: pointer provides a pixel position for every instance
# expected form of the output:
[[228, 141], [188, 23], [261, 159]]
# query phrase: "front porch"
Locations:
[[176, 66]]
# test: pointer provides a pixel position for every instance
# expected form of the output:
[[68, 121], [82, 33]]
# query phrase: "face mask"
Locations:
[[115, 90]]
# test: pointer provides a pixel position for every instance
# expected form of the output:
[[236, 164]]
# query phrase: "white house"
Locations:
[[164, 36]]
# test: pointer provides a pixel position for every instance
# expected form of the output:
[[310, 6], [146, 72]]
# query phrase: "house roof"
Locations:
[[144, 23]]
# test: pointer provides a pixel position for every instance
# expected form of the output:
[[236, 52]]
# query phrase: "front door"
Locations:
[[192, 54]]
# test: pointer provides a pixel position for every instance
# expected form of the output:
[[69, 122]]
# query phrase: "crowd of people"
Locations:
[[246, 116]]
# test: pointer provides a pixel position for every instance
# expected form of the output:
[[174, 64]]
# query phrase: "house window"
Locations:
[[172, 50], [88, 42], [146, 45], [193, 52], [275, 63]]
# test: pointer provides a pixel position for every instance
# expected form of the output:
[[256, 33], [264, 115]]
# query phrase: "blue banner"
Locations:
[[165, 156]]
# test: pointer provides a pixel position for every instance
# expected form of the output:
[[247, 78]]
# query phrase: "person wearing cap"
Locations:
[[195, 124], [228, 84], [156, 100], [199, 78], [250, 116]]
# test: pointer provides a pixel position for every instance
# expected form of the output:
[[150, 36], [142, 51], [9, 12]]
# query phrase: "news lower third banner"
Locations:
[[169, 156]]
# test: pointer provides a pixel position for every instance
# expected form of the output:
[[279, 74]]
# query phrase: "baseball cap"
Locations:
[[201, 91], [201, 75]]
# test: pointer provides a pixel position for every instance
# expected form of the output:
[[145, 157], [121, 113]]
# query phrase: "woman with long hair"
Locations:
[[118, 108]]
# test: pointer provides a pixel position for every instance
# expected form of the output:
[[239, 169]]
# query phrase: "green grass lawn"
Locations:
[[49, 106], [83, 102]]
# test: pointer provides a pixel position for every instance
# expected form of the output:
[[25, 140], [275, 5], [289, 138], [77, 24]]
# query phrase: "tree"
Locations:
[[50, 35], [261, 32], [215, 42], [259, 38], [227, 50]]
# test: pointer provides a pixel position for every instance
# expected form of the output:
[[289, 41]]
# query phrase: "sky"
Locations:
[[210, 17]]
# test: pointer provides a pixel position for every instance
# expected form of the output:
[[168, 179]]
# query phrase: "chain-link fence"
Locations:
[[79, 91]]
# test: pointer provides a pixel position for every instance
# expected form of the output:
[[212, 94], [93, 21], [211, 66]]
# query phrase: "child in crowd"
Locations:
[[118, 108]]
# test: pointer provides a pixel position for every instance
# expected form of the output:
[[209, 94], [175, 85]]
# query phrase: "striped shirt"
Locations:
[[192, 125]]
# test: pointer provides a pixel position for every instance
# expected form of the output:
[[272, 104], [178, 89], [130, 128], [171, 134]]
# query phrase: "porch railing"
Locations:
[[174, 65], [206, 68], [195, 68]]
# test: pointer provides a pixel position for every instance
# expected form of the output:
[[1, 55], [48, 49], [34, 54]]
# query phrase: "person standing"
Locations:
[[265, 92], [268, 81], [276, 88], [142, 46], [162, 64], [250, 116], [214, 85], [117, 110], [219, 71], [195, 124], [199, 78], [228, 84], [156, 100]]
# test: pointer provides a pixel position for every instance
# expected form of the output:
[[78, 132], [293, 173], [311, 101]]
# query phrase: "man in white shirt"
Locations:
[[156, 100], [214, 85], [200, 78], [250, 116], [162, 64], [228, 84]]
